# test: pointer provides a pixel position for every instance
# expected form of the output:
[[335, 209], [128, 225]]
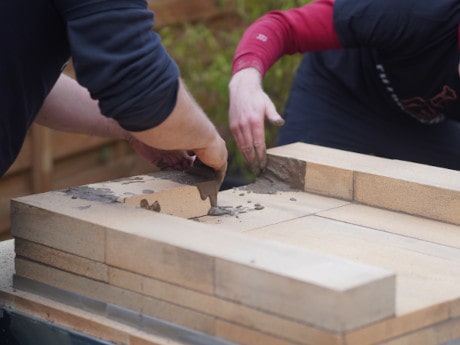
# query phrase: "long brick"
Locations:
[[262, 322], [417, 189], [161, 260], [399, 326], [410, 197], [428, 273], [331, 295], [397, 223], [37, 218], [61, 260], [446, 333], [114, 295], [247, 336], [171, 192], [253, 210]]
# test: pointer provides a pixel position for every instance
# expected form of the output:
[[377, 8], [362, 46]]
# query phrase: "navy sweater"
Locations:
[[396, 56], [116, 56], [408, 55]]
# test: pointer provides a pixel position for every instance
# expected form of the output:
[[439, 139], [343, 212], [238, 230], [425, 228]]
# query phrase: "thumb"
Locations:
[[273, 117]]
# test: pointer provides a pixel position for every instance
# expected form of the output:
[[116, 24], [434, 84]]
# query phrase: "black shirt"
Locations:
[[116, 54]]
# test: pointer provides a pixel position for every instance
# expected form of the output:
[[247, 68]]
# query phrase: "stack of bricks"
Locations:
[[347, 249]]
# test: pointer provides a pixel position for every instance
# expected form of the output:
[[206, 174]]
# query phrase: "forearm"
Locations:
[[186, 128], [69, 108], [304, 29]]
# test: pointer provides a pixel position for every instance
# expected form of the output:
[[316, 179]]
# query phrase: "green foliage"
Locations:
[[204, 52]]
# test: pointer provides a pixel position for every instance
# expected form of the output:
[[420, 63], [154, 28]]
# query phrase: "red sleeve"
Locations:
[[298, 30]]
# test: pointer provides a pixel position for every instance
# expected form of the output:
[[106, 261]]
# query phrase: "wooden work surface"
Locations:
[[328, 247]]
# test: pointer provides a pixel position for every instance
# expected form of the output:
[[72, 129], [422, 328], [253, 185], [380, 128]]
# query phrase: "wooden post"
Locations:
[[42, 159]]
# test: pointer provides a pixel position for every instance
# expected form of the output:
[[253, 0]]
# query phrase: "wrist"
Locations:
[[246, 77]]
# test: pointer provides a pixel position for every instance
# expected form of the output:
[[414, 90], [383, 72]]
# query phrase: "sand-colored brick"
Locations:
[[59, 259], [455, 308], [397, 223], [277, 208], [236, 313], [171, 192], [332, 295], [427, 273], [246, 336], [78, 284], [407, 196], [42, 225], [329, 181], [179, 315], [114, 295], [447, 333], [401, 325], [417, 189], [161, 260]]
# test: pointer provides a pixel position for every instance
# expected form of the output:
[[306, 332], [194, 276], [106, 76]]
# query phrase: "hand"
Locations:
[[188, 128], [163, 159], [215, 155], [249, 106]]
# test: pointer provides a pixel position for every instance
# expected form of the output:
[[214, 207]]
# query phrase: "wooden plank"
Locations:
[[68, 144], [11, 186], [93, 168], [42, 162], [58, 145]]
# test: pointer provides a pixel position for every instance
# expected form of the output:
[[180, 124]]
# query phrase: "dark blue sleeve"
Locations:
[[120, 60], [394, 25]]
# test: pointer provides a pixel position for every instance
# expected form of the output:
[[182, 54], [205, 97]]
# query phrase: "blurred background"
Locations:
[[201, 35]]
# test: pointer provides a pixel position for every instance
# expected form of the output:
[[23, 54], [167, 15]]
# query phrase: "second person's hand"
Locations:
[[249, 107]]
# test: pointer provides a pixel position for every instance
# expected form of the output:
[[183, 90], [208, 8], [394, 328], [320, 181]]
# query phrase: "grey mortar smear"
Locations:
[[104, 195], [281, 175]]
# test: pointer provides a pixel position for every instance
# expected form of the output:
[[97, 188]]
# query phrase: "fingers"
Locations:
[[250, 137], [215, 155], [220, 174], [249, 107], [273, 116]]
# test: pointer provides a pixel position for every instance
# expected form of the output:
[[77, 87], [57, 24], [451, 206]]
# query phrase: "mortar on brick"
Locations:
[[162, 191]]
